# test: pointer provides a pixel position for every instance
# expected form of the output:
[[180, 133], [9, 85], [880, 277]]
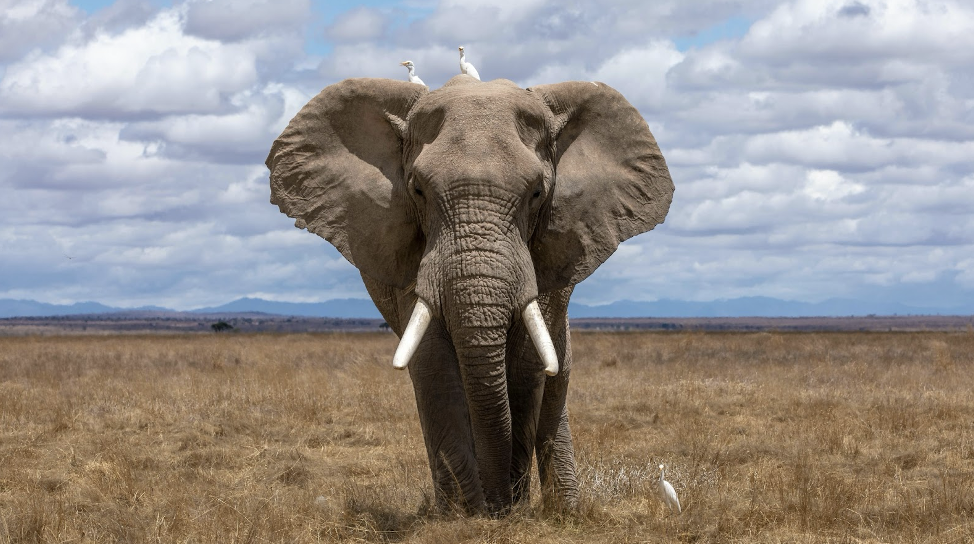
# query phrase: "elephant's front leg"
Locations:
[[556, 453], [525, 385], [532, 402], [444, 418]]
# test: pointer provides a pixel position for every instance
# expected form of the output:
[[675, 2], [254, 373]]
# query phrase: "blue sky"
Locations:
[[732, 28], [91, 6], [820, 148]]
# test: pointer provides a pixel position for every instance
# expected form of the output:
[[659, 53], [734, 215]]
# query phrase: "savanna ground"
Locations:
[[767, 437]]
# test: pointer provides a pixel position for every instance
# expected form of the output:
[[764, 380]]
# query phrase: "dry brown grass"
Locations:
[[767, 437]]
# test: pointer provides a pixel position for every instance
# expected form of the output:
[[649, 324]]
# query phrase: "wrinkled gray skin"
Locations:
[[478, 198]]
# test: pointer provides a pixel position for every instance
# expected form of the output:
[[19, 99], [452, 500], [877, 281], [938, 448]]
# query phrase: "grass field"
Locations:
[[767, 437]]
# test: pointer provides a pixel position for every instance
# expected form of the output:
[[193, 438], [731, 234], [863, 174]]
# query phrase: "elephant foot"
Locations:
[[450, 498], [559, 485], [455, 506], [498, 511], [560, 503], [559, 491], [558, 471], [451, 506], [498, 501]]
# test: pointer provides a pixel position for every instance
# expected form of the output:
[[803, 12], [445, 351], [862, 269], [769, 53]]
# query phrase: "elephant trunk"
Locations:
[[478, 316]]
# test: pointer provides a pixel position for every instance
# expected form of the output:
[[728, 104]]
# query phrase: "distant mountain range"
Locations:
[[759, 307], [341, 308], [363, 308]]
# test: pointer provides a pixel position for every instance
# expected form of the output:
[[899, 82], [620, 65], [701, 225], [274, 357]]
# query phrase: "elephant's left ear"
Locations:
[[611, 182]]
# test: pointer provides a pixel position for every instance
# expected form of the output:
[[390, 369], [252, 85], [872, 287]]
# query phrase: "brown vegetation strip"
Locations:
[[767, 437]]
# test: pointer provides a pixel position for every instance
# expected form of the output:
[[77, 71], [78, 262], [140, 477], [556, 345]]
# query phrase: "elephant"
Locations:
[[471, 212]]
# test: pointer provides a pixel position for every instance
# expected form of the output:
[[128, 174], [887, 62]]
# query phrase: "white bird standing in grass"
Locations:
[[466, 67], [666, 493], [413, 78]]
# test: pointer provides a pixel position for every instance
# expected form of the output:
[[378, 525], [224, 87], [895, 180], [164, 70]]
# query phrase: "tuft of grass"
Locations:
[[767, 437]]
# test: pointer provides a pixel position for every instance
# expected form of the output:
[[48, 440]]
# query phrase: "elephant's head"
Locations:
[[477, 197]]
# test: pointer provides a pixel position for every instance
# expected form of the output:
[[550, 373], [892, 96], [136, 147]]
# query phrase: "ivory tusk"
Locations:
[[539, 335], [412, 335]]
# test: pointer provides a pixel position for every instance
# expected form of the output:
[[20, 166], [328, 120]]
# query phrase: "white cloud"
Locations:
[[251, 190], [154, 69], [29, 24], [638, 73], [827, 152], [233, 20], [841, 146], [965, 274], [119, 16], [358, 25], [241, 136], [641, 73], [829, 185], [710, 67], [882, 30]]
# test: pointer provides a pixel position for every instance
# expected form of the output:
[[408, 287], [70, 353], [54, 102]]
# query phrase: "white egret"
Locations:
[[413, 78], [466, 67], [666, 493]]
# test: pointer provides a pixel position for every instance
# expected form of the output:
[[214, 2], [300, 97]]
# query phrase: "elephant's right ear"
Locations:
[[337, 170]]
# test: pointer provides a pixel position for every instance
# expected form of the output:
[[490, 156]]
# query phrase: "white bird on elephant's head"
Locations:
[[466, 67], [413, 78], [666, 493]]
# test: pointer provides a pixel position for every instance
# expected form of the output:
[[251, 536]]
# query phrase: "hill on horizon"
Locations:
[[351, 308]]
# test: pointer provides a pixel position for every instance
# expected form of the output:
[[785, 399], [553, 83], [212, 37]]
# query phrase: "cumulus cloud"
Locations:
[[527, 41], [29, 25], [819, 148], [357, 25], [232, 20], [240, 136], [154, 69], [121, 15], [869, 33]]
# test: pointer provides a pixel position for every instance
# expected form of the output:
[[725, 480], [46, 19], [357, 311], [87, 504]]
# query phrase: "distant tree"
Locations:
[[384, 326], [221, 326]]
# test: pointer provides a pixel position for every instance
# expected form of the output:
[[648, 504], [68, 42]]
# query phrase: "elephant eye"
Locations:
[[538, 188], [418, 191], [538, 183]]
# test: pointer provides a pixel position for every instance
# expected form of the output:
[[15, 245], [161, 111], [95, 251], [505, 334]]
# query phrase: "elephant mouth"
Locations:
[[420, 319]]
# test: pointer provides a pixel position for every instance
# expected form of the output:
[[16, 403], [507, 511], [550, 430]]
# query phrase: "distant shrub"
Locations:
[[221, 326]]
